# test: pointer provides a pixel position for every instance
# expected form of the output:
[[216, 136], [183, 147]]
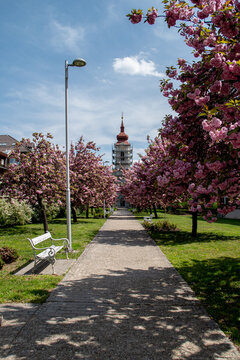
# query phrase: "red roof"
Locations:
[[122, 137]]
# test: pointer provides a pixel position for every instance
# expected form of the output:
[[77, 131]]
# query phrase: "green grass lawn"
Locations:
[[209, 263], [36, 288]]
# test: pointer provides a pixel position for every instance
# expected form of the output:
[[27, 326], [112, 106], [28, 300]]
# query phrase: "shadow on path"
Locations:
[[131, 314], [105, 310]]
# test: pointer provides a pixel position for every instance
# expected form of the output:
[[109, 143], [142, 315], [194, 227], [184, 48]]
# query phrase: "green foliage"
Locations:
[[14, 212], [52, 212], [100, 215], [8, 255]]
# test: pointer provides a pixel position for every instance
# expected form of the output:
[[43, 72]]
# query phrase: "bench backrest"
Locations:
[[40, 238]]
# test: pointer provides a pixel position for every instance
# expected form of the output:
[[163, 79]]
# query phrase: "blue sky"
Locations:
[[124, 65]]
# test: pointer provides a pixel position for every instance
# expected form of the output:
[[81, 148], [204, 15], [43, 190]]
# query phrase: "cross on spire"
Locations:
[[122, 125]]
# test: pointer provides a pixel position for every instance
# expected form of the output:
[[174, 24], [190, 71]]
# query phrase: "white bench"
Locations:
[[49, 252], [106, 212], [148, 218]]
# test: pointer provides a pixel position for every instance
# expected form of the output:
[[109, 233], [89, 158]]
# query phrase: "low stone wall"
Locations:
[[233, 215]]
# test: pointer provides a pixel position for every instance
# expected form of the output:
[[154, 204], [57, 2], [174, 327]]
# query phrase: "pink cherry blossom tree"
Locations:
[[38, 176], [204, 137], [147, 182], [91, 182]]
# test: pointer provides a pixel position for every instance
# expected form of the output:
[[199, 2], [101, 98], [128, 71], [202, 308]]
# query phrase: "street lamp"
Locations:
[[77, 63], [104, 202]]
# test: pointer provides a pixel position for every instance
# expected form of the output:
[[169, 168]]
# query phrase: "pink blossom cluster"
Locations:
[[218, 135], [199, 100], [176, 12], [216, 87], [152, 14], [135, 16], [211, 125], [235, 140], [216, 166]]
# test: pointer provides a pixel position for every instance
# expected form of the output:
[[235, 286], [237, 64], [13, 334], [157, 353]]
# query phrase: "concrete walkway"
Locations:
[[122, 299]]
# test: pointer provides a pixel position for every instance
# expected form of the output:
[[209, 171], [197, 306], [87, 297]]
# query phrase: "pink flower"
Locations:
[[235, 140], [206, 125], [204, 13], [215, 122], [217, 60], [202, 100], [194, 95], [136, 18], [151, 16], [181, 62], [216, 87], [191, 187]]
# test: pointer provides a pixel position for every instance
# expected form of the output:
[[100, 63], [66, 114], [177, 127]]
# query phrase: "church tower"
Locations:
[[122, 158], [122, 152]]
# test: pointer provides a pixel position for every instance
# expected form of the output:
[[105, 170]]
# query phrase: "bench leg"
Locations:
[[52, 263], [34, 268]]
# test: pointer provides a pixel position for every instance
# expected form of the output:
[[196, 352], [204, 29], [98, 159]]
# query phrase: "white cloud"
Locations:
[[133, 65], [66, 37]]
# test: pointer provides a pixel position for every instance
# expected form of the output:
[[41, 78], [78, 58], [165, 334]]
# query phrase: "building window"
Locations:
[[122, 155], [13, 161]]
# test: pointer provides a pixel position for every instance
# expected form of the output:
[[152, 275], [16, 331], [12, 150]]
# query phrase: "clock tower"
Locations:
[[122, 158]]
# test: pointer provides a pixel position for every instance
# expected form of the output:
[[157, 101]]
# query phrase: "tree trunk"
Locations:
[[44, 215], [155, 211], [150, 209], [194, 224], [74, 214], [87, 212]]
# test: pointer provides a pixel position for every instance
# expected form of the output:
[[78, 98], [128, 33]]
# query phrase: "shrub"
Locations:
[[8, 255], [100, 215], [165, 226], [160, 226], [52, 212], [14, 212], [148, 225]]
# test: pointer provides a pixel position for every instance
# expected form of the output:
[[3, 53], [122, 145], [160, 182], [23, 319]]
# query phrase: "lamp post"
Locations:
[[77, 63], [104, 203]]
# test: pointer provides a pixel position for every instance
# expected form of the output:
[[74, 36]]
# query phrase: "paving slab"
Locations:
[[61, 266], [122, 299]]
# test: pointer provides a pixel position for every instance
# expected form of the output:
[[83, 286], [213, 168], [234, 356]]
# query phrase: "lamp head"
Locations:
[[79, 62]]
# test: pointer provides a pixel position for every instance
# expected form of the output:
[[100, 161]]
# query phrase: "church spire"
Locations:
[[122, 125], [122, 137]]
